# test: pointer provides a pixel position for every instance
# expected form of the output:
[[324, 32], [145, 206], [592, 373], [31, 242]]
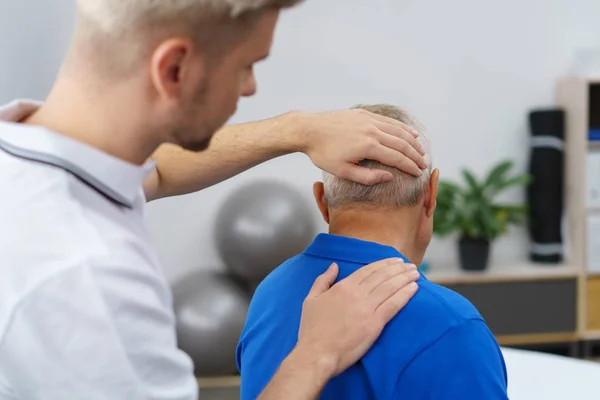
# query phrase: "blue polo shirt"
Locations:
[[438, 347]]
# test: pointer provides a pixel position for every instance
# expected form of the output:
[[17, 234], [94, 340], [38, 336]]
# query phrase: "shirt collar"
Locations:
[[18, 109], [341, 248], [117, 179]]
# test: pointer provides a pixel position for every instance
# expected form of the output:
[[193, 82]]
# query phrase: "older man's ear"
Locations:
[[319, 193], [432, 192]]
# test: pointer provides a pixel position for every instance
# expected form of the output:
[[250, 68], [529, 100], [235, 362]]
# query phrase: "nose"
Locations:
[[249, 85]]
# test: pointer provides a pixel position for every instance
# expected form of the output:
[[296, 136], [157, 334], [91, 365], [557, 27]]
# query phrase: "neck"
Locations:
[[397, 228], [98, 114]]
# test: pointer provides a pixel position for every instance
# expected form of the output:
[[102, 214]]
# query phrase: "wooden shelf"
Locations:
[[537, 338], [590, 335], [594, 78], [219, 382], [452, 275]]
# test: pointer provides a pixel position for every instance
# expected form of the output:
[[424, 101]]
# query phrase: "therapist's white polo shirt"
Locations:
[[85, 311]]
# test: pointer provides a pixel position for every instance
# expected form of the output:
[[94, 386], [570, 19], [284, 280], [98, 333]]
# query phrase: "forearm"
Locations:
[[300, 377], [233, 149]]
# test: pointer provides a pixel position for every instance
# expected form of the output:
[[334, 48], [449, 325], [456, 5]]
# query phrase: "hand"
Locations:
[[340, 324], [337, 141]]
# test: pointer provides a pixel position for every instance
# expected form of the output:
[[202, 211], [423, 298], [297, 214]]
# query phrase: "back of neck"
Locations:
[[104, 118], [397, 228]]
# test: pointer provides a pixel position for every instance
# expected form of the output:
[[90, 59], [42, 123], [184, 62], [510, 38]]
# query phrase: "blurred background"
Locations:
[[471, 71]]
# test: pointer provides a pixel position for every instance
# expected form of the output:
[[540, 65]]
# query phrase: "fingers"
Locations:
[[394, 158], [394, 124], [359, 277], [401, 137], [389, 287], [400, 131], [324, 281], [382, 276], [410, 147], [366, 176], [392, 306]]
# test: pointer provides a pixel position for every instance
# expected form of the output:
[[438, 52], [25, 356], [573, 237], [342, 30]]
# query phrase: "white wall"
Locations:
[[469, 69], [34, 35]]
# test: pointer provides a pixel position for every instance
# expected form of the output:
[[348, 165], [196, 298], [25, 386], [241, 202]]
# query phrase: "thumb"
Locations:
[[367, 176], [324, 281]]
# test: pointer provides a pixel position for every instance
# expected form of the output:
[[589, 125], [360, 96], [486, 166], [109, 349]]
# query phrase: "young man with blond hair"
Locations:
[[438, 347], [85, 311]]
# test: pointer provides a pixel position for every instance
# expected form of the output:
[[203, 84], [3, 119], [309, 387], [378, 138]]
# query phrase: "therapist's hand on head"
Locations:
[[337, 141]]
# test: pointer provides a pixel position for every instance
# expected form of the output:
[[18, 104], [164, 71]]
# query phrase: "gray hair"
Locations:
[[403, 190]]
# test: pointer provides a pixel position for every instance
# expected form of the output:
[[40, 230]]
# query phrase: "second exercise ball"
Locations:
[[260, 226], [210, 313]]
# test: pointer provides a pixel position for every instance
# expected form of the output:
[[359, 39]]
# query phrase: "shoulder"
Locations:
[[41, 212], [39, 202], [275, 312], [277, 299], [447, 305], [291, 281], [125, 345], [465, 362], [45, 229], [430, 315], [434, 310]]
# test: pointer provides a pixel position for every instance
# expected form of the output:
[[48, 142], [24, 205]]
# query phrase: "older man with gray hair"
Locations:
[[438, 347]]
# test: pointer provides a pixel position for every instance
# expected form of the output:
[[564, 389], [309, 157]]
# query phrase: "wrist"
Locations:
[[322, 366], [295, 131]]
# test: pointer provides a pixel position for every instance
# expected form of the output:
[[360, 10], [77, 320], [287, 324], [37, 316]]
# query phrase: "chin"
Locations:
[[196, 146], [189, 139]]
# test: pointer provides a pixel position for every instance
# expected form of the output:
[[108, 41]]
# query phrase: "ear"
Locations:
[[432, 192], [172, 66], [319, 193]]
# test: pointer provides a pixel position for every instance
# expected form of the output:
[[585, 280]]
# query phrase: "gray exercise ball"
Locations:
[[210, 311], [260, 226]]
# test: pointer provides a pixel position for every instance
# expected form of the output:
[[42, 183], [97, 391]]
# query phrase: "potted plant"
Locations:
[[471, 210]]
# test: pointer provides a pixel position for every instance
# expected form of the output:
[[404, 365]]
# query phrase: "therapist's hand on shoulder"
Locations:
[[337, 141], [340, 323]]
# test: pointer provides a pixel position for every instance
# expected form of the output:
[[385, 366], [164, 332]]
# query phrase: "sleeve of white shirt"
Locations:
[[96, 333]]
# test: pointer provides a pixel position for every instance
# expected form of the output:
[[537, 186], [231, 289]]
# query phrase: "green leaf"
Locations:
[[449, 188], [516, 208], [497, 175], [475, 188], [469, 207], [519, 180]]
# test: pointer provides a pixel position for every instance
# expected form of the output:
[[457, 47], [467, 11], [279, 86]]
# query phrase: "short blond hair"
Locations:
[[115, 16], [116, 34], [403, 190]]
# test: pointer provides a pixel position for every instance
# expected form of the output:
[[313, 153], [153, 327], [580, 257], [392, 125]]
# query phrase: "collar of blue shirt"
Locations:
[[114, 178], [341, 248]]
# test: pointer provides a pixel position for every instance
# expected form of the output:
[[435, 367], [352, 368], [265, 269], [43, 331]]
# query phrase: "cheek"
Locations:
[[223, 87], [220, 102]]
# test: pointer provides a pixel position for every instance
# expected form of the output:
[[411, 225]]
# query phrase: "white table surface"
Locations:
[[540, 376]]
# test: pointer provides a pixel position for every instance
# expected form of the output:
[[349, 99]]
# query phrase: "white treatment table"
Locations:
[[539, 376]]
